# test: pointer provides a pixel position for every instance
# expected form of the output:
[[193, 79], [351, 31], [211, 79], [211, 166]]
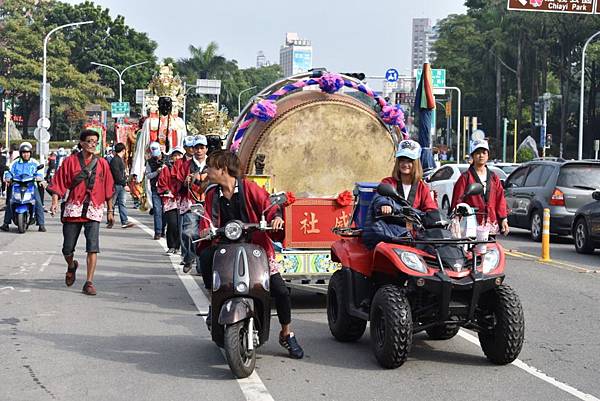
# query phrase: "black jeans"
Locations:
[[171, 221], [279, 291]]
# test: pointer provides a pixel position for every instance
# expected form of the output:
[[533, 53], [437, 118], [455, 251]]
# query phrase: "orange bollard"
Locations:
[[546, 237]]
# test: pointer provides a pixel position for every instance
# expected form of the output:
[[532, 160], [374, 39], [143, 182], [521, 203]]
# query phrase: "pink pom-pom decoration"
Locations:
[[393, 115], [331, 83], [264, 110]]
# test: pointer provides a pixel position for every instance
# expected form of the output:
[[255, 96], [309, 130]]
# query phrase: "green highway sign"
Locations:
[[119, 109], [438, 77]]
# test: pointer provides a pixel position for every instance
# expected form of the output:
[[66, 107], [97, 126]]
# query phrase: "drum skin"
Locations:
[[319, 144]]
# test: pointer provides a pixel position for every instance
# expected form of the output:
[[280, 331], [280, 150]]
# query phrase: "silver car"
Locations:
[[561, 186]]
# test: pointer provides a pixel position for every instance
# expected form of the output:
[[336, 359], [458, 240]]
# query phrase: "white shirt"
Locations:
[[406, 189], [483, 179]]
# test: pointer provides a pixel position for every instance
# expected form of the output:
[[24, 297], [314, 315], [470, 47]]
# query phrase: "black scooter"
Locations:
[[241, 298]]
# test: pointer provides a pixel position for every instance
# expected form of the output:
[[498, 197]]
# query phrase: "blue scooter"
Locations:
[[22, 201]]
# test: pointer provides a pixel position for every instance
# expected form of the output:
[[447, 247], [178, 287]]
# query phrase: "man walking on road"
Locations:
[[154, 165], [117, 169], [90, 184], [191, 176]]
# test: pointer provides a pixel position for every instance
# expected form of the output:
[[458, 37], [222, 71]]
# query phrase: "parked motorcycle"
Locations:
[[22, 201], [428, 281], [241, 298]]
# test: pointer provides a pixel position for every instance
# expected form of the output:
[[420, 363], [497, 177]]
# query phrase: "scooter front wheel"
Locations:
[[241, 360], [21, 223]]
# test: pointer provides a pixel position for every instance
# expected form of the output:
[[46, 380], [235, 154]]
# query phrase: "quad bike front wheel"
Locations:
[[502, 313], [241, 360], [391, 326], [343, 327]]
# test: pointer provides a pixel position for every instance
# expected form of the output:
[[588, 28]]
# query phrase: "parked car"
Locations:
[[506, 167], [586, 226], [443, 179], [561, 186]]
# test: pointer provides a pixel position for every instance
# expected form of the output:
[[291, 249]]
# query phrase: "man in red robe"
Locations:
[[90, 184]]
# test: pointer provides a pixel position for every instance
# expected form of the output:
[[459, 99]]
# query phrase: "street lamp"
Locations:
[[120, 74], [44, 76], [240, 97], [581, 100]]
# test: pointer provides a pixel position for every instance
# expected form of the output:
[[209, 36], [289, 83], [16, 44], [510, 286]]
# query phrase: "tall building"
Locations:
[[295, 56], [261, 60], [423, 38]]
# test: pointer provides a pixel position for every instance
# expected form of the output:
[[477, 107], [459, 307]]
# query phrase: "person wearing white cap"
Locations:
[[191, 174], [167, 189], [153, 167], [491, 203], [407, 178]]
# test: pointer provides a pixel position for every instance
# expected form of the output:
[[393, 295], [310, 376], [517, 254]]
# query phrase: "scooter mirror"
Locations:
[[387, 190], [278, 198], [40, 167], [474, 189]]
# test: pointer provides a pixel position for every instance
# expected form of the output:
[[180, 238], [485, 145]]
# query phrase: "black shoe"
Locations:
[[42, 229], [4, 227], [187, 267], [209, 318], [291, 344]]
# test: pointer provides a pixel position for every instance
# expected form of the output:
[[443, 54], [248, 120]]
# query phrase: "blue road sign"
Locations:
[[391, 75]]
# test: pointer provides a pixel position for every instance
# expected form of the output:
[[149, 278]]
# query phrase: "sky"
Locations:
[[346, 35]]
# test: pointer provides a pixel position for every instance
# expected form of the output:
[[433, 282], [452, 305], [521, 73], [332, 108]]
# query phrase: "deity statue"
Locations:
[[164, 99]]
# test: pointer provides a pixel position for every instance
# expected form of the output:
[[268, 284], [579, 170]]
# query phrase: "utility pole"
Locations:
[[504, 130], [581, 95]]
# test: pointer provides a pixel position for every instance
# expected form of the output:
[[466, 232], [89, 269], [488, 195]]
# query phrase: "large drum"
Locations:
[[320, 144]]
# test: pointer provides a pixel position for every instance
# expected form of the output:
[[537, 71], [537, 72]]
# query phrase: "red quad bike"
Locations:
[[428, 281]]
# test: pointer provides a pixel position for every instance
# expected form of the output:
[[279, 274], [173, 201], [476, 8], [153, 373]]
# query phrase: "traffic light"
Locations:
[[548, 140], [358, 75], [537, 114]]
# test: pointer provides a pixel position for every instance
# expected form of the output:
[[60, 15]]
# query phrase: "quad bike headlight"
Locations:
[[412, 261], [233, 230], [490, 260]]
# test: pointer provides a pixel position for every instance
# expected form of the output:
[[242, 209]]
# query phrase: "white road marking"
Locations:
[[537, 373], [7, 288], [46, 263], [17, 253], [252, 387]]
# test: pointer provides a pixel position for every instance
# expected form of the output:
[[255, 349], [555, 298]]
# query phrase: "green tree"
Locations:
[[504, 60], [22, 32], [107, 41]]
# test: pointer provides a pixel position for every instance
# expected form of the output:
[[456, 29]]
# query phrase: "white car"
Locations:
[[443, 179]]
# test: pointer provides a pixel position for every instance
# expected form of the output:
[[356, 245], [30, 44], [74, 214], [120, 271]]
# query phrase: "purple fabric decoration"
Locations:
[[331, 83], [393, 115], [264, 110]]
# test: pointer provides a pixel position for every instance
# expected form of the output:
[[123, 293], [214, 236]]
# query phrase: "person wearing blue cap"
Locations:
[[407, 178], [154, 166], [191, 174], [188, 145]]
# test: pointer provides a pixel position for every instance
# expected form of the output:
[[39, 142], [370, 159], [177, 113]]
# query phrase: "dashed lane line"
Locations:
[[252, 387], [537, 373]]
